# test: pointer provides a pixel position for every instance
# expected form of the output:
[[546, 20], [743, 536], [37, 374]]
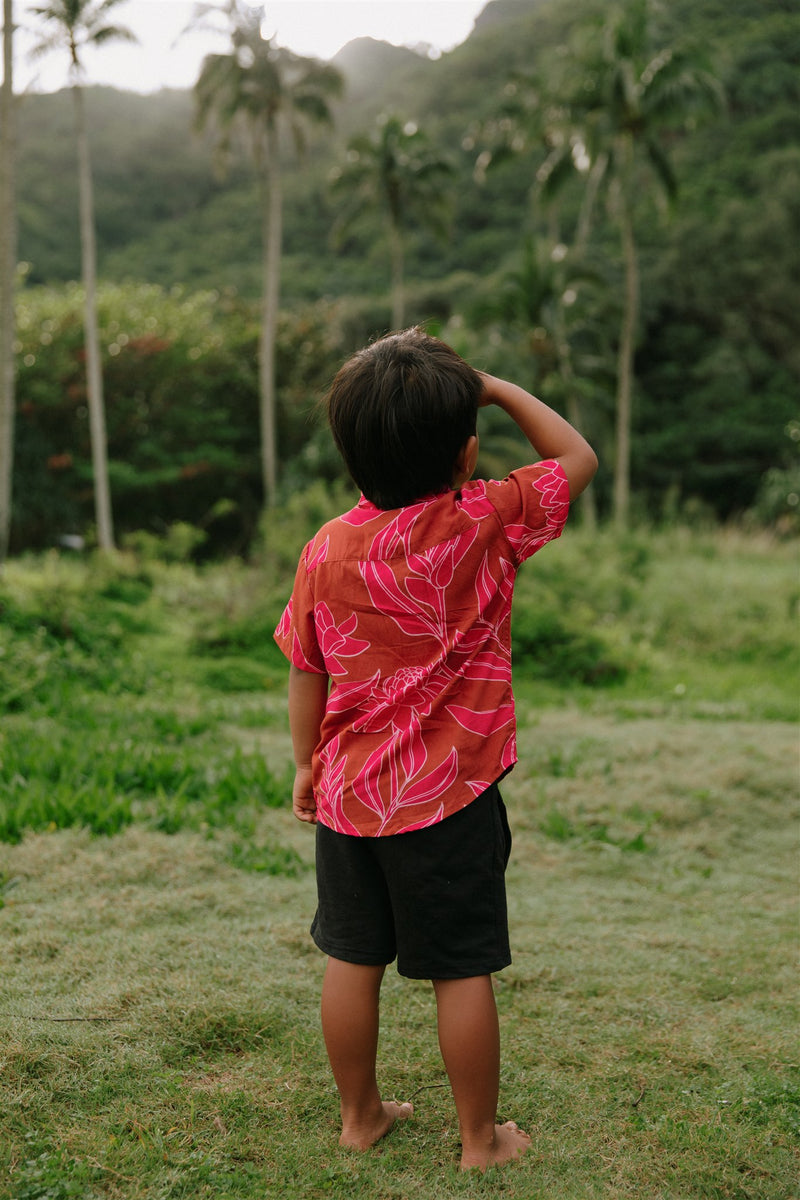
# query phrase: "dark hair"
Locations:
[[400, 411]]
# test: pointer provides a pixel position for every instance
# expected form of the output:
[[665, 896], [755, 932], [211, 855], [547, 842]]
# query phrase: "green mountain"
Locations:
[[164, 214], [719, 352]]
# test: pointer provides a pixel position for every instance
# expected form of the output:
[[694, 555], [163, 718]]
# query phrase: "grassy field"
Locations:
[[159, 991]]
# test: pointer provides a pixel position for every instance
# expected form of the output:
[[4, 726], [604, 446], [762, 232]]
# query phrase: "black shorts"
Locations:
[[434, 898]]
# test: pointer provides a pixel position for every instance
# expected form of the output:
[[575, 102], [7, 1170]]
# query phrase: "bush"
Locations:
[[66, 623], [545, 646], [181, 395], [778, 501]]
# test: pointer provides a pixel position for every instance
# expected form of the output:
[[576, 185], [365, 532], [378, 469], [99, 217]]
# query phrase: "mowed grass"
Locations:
[[159, 1031]]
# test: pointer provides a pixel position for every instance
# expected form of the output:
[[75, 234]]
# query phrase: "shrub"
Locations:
[[181, 392], [547, 647]]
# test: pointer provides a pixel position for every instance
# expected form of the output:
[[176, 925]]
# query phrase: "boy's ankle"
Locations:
[[493, 1147], [355, 1116], [364, 1128], [478, 1142]]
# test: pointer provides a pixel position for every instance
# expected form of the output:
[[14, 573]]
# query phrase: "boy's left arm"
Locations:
[[308, 695]]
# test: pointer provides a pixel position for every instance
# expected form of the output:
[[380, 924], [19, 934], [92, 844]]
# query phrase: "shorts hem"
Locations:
[[359, 958], [467, 972]]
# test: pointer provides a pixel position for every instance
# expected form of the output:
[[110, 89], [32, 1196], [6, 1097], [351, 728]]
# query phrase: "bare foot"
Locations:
[[509, 1142], [363, 1134]]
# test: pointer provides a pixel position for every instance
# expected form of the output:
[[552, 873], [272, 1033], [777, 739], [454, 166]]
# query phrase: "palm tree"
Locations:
[[266, 92], [75, 25], [537, 298], [395, 170], [8, 264], [603, 113], [542, 300], [631, 92]]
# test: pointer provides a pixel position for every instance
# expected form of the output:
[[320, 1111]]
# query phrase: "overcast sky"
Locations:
[[164, 58]]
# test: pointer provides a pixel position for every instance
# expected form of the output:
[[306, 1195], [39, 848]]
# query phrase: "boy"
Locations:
[[402, 716]]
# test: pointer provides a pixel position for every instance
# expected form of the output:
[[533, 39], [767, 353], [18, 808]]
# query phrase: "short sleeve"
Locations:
[[533, 505], [296, 634]]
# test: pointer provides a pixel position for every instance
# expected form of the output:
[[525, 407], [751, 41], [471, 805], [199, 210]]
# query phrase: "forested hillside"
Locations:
[[718, 351]]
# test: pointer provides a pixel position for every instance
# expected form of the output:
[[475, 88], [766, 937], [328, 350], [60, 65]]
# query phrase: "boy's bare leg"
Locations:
[[350, 1000], [469, 1038]]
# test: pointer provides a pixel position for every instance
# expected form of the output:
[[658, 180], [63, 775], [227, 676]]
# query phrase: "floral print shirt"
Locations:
[[408, 611]]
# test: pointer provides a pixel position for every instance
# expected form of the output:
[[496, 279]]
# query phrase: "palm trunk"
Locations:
[[8, 265], [398, 284], [272, 222], [588, 506], [586, 216], [627, 344], [94, 374]]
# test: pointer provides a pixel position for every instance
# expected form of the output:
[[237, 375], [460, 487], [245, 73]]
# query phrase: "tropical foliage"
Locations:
[[530, 281], [630, 90], [183, 429]]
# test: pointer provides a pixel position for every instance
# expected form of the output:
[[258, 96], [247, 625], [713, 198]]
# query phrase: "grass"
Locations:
[[159, 991]]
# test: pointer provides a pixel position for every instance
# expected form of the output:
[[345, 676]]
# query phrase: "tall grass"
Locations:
[[120, 680], [111, 716]]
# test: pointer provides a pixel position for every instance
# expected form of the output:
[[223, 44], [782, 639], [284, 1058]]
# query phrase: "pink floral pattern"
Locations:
[[337, 641], [408, 612]]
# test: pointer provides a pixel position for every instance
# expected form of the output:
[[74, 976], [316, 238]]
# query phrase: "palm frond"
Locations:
[[556, 169], [75, 24], [113, 33], [660, 163], [260, 86], [46, 45]]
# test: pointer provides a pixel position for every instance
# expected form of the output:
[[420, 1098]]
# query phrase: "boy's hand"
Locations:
[[304, 805]]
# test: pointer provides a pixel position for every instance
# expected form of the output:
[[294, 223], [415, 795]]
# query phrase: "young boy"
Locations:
[[402, 715]]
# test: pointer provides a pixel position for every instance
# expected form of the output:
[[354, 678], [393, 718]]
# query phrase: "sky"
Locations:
[[166, 57]]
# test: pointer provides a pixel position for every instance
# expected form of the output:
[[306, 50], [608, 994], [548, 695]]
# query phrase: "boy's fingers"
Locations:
[[305, 811]]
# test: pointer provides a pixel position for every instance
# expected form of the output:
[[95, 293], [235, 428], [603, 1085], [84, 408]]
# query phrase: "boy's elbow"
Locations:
[[582, 471]]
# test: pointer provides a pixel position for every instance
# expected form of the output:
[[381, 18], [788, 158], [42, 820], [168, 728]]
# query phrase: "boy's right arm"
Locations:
[[308, 694], [549, 434]]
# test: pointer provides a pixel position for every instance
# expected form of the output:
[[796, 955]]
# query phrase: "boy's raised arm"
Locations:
[[549, 434]]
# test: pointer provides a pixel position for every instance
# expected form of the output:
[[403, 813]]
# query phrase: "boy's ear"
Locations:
[[466, 460]]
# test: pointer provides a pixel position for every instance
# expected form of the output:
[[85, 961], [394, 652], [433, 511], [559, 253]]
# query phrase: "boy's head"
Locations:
[[401, 411]]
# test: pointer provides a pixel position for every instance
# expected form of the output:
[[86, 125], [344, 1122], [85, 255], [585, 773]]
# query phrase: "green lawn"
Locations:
[[159, 990]]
